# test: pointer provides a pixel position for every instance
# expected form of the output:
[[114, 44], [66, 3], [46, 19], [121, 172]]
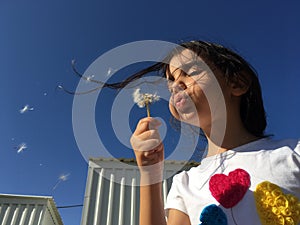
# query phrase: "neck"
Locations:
[[232, 137]]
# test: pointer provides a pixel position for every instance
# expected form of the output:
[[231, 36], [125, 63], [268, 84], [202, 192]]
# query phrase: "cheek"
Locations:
[[173, 110]]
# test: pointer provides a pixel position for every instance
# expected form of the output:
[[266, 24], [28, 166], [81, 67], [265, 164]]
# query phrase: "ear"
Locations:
[[239, 88]]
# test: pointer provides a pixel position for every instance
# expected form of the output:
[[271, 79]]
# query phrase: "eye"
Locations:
[[170, 81], [193, 73], [170, 78]]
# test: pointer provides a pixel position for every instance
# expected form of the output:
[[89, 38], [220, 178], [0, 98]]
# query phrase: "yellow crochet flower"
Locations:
[[274, 207]]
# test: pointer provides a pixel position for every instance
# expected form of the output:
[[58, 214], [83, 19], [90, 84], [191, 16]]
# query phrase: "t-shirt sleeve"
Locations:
[[175, 196], [297, 148]]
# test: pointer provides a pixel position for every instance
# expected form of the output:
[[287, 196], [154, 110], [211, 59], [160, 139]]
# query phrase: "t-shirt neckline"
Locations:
[[245, 147]]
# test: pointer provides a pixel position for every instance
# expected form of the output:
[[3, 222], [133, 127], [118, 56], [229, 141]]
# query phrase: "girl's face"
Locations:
[[195, 92]]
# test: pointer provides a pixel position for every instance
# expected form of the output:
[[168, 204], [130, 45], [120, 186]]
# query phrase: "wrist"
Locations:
[[151, 174]]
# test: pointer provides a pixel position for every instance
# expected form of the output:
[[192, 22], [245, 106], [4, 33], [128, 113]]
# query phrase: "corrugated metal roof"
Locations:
[[28, 210], [133, 161], [112, 192]]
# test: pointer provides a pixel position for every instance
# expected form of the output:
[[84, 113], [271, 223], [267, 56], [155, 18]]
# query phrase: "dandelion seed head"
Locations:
[[137, 96], [155, 97], [141, 99]]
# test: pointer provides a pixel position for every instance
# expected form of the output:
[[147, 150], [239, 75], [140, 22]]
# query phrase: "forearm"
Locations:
[[149, 152], [151, 205]]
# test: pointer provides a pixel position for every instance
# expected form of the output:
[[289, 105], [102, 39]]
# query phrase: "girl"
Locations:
[[246, 178]]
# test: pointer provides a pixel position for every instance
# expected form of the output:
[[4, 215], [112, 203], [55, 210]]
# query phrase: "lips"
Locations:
[[180, 103], [180, 100]]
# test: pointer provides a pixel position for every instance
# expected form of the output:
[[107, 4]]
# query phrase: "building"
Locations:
[[28, 210], [112, 193]]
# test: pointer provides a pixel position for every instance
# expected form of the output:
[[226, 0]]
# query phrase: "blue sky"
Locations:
[[40, 38]]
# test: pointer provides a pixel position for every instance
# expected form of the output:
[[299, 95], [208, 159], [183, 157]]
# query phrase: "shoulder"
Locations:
[[270, 143], [286, 144], [181, 177], [186, 177]]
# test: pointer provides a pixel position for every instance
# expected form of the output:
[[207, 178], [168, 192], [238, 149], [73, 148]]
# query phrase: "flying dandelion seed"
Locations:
[[144, 99], [45, 93], [110, 71], [25, 109], [89, 78], [61, 178], [64, 177], [21, 147]]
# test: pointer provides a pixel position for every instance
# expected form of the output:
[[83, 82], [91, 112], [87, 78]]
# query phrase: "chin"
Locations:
[[192, 120]]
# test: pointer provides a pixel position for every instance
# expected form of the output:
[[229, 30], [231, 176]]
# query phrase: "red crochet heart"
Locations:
[[229, 190]]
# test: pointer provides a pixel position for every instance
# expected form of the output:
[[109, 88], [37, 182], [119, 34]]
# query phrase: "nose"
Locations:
[[176, 86]]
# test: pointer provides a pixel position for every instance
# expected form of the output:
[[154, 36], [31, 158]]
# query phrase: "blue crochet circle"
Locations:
[[213, 215]]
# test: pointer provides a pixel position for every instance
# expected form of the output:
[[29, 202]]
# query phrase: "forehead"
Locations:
[[184, 60]]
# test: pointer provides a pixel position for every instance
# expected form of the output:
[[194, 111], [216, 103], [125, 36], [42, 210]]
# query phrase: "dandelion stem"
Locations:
[[148, 108]]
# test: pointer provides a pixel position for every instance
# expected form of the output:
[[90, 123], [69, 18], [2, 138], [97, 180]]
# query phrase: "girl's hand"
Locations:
[[148, 150]]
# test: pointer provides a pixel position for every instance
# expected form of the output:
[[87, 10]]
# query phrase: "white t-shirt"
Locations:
[[235, 196]]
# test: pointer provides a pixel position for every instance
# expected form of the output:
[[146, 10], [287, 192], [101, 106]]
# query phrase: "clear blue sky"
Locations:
[[38, 40]]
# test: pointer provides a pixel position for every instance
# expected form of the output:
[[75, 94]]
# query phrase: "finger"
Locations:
[[149, 154], [142, 126], [144, 145], [149, 134], [146, 124], [149, 158], [145, 141], [154, 152]]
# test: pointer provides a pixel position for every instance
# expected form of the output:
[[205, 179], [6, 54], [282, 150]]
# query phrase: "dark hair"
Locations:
[[229, 64], [236, 70]]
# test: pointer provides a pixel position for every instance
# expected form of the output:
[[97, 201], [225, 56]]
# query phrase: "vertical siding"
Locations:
[[26, 210], [98, 199], [133, 201], [122, 202], [112, 194], [110, 200], [20, 214]]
